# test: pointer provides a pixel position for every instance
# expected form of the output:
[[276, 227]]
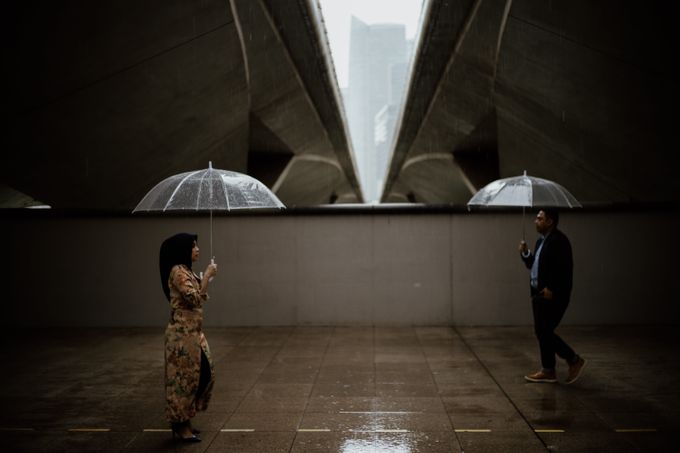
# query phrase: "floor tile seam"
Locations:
[[604, 421], [429, 366], [521, 414], [586, 409], [373, 357], [316, 378], [600, 418], [131, 441], [255, 381], [251, 332]]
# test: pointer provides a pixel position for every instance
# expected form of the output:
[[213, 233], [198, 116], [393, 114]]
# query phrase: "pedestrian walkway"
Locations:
[[345, 389]]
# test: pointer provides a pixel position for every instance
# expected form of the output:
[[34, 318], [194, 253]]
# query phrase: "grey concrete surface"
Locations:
[[344, 389], [574, 91], [110, 98], [356, 268]]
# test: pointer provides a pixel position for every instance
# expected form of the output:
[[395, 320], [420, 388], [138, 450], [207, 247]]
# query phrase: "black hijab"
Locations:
[[175, 250]]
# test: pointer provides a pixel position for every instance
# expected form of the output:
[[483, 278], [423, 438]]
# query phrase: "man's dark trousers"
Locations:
[[547, 315]]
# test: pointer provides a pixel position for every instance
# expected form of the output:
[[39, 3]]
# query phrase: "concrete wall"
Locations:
[[358, 268]]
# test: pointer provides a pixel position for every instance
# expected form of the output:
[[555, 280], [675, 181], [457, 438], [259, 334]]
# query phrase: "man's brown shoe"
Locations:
[[542, 376], [575, 370]]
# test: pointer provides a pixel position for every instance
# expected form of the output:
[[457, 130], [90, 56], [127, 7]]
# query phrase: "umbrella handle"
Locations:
[[200, 274]]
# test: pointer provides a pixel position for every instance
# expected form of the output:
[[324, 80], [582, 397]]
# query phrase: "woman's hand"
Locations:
[[210, 271]]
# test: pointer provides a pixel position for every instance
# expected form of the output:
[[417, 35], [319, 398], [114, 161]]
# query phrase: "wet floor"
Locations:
[[345, 389]]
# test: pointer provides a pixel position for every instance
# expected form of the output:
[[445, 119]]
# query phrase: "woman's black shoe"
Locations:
[[177, 427]]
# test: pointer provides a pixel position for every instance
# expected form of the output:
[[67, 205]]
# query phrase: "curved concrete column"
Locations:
[[463, 97], [287, 103], [578, 92], [444, 176], [323, 173], [111, 97]]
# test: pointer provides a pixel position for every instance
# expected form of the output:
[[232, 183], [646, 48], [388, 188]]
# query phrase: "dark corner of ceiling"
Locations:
[[477, 155], [267, 154]]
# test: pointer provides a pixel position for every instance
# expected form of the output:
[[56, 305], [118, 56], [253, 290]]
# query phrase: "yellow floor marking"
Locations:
[[472, 430], [89, 430], [314, 430], [636, 430], [237, 430], [154, 430], [549, 430], [378, 430]]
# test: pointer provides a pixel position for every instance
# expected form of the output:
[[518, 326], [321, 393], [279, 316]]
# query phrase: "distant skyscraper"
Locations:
[[377, 59], [397, 80], [385, 121]]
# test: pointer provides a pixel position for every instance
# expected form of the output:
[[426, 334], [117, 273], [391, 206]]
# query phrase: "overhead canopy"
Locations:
[[109, 97], [106, 98], [581, 93]]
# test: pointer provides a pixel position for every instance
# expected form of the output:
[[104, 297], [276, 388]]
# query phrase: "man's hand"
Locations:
[[523, 247], [546, 294]]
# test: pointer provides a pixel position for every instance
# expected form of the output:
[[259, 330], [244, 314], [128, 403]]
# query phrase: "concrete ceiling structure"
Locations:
[[579, 92], [108, 98]]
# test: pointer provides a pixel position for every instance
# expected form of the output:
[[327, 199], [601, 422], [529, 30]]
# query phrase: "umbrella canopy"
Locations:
[[524, 191], [209, 189]]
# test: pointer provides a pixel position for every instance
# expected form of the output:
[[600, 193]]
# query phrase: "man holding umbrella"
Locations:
[[551, 268]]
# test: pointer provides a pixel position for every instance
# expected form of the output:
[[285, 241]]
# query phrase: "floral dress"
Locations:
[[184, 341]]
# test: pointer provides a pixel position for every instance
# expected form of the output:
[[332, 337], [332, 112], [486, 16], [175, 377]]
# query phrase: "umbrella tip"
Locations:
[[525, 172], [210, 165]]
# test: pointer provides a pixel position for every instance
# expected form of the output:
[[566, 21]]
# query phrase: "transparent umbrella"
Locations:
[[525, 191], [209, 190]]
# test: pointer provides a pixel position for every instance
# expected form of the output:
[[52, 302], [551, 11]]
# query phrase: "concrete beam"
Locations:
[[443, 23], [109, 98], [301, 27], [282, 102], [578, 92]]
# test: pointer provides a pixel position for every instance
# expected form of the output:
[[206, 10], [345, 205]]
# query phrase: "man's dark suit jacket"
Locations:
[[555, 265]]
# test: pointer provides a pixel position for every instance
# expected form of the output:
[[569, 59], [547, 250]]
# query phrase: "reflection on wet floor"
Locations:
[[376, 445], [344, 389]]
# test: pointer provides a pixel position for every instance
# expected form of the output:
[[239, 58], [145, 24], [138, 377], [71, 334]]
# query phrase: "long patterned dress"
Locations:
[[184, 341]]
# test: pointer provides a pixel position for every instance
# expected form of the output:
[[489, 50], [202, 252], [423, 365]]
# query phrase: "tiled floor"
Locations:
[[345, 389]]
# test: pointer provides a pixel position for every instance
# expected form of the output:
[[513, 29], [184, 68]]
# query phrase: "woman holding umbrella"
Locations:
[[189, 373]]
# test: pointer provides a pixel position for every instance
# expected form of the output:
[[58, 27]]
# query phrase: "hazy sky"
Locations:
[[337, 15]]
